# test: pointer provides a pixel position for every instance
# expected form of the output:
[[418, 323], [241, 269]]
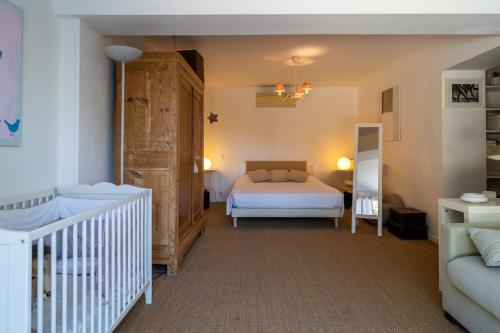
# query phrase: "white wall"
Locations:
[[319, 130], [69, 94], [33, 165], [416, 162], [49, 153], [86, 102], [96, 109]]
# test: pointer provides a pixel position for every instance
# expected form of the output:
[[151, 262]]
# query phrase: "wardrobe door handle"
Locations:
[[195, 167]]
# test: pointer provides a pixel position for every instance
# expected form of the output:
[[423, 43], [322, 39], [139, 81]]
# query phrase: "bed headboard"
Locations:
[[270, 165]]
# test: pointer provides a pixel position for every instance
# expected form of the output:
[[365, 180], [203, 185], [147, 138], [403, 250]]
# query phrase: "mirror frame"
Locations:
[[355, 216]]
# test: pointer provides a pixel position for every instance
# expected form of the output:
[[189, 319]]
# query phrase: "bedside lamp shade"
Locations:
[[207, 163], [344, 163]]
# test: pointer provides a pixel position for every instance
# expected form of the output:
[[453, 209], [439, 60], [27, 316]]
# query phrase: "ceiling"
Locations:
[[283, 24], [261, 60], [482, 62]]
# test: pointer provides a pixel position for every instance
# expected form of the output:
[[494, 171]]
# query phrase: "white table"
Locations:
[[454, 210]]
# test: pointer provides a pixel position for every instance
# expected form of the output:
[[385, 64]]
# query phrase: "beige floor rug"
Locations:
[[296, 276]]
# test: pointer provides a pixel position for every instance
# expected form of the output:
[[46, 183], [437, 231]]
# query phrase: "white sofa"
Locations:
[[471, 290]]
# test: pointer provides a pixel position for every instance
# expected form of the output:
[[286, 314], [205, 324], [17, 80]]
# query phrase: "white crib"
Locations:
[[100, 258]]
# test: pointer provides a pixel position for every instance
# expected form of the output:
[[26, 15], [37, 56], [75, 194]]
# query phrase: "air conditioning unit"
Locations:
[[272, 100]]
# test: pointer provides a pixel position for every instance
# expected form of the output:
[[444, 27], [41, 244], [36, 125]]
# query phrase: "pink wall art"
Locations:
[[11, 55]]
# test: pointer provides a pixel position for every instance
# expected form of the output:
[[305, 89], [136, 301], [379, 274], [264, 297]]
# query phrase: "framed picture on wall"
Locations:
[[11, 55], [464, 93], [389, 114]]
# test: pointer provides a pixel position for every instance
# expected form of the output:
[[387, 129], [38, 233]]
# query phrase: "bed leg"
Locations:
[[235, 222], [336, 222], [149, 293]]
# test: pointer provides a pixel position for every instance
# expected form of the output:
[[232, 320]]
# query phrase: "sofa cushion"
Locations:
[[478, 281], [487, 242]]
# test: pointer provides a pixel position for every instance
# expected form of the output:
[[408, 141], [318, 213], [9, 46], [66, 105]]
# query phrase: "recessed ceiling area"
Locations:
[[264, 60], [241, 24]]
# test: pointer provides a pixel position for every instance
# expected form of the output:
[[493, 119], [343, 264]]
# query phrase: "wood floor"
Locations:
[[296, 276]]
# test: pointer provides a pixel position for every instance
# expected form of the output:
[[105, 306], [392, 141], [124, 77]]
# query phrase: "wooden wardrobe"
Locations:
[[163, 148]]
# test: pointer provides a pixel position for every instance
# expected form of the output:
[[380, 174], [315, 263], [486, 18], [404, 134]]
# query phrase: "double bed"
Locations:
[[311, 198]]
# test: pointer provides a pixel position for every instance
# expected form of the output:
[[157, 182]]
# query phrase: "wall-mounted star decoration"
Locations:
[[213, 117]]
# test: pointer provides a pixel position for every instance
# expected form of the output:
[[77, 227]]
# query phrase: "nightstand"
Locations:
[[208, 188], [347, 197]]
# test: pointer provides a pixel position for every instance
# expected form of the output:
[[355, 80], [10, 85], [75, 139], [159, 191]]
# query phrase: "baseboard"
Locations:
[[433, 238]]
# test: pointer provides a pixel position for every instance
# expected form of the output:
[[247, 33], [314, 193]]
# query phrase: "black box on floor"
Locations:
[[407, 216], [407, 231]]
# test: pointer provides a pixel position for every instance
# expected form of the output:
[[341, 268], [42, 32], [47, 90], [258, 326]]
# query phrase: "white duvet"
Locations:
[[311, 194]]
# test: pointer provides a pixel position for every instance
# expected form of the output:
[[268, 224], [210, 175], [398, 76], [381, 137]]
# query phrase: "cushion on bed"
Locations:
[[279, 175], [297, 176], [259, 176]]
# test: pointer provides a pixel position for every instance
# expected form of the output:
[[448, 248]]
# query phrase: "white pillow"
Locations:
[[487, 242]]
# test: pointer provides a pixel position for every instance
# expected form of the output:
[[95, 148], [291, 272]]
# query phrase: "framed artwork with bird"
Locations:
[[11, 55]]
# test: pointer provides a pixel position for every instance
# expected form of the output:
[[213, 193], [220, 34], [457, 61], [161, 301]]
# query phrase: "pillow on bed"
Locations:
[[259, 176], [279, 176], [297, 176]]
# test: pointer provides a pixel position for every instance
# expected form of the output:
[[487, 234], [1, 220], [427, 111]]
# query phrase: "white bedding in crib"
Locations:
[[27, 219]]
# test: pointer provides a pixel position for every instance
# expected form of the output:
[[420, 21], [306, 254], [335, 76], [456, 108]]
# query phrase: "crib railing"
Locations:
[[113, 245], [32, 200]]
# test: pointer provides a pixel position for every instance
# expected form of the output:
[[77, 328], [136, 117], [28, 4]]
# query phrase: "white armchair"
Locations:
[[471, 290]]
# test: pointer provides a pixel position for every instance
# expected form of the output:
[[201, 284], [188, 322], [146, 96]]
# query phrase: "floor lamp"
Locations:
[[122, 54]]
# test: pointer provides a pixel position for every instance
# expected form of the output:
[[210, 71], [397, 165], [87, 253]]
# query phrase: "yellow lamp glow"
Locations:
[[344, 163], [207, 163]]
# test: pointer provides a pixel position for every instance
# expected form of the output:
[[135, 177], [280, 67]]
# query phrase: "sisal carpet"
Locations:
[[296, 276]]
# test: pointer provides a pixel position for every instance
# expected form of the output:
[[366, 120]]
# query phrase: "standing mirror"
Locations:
[[367, 177]]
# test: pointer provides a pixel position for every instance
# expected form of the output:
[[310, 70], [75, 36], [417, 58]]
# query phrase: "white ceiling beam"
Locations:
[[192, 25], [265, 7]]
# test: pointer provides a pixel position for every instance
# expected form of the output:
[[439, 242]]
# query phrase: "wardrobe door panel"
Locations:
[[159, 182], [197, 139], [148, 99], [185, 156]]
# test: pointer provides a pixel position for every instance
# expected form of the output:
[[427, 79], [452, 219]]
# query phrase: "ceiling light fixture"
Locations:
[[299, 92]]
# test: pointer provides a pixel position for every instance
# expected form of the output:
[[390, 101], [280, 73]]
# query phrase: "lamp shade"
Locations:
[[207, 163], [123, 53], [279, 88], [299, 92], [494, 154], [307, 86], [344, 163]]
